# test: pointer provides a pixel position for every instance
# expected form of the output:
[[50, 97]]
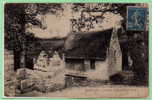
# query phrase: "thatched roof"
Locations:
[[46, 45], [91, 45]]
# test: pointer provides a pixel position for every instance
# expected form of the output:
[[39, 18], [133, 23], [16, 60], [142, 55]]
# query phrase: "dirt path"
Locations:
[[104, 91]]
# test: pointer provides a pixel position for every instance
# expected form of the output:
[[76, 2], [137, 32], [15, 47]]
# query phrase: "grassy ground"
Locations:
[[94, 92]]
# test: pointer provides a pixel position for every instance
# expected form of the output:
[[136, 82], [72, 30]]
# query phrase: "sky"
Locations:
[[60, 26]]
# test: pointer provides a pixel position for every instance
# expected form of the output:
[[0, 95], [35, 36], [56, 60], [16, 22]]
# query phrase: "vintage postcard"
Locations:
[[76, 50]]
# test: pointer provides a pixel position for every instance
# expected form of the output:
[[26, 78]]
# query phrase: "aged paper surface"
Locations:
[[76, 50]]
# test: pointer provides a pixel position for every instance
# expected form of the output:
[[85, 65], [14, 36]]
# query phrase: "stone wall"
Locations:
[[9, 74]]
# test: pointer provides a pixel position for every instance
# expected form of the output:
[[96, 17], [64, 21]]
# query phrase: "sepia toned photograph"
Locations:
[[76, 50]]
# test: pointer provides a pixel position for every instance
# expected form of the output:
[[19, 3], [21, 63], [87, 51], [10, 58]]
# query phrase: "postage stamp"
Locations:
[[136, 18]]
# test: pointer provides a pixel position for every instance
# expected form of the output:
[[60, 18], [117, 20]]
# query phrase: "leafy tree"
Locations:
[[17, 18]]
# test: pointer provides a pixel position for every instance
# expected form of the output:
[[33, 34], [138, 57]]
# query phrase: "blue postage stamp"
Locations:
[[136, 18]]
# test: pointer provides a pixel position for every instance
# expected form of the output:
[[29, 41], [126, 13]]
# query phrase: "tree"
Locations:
[[14, 30], [17, 18]]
